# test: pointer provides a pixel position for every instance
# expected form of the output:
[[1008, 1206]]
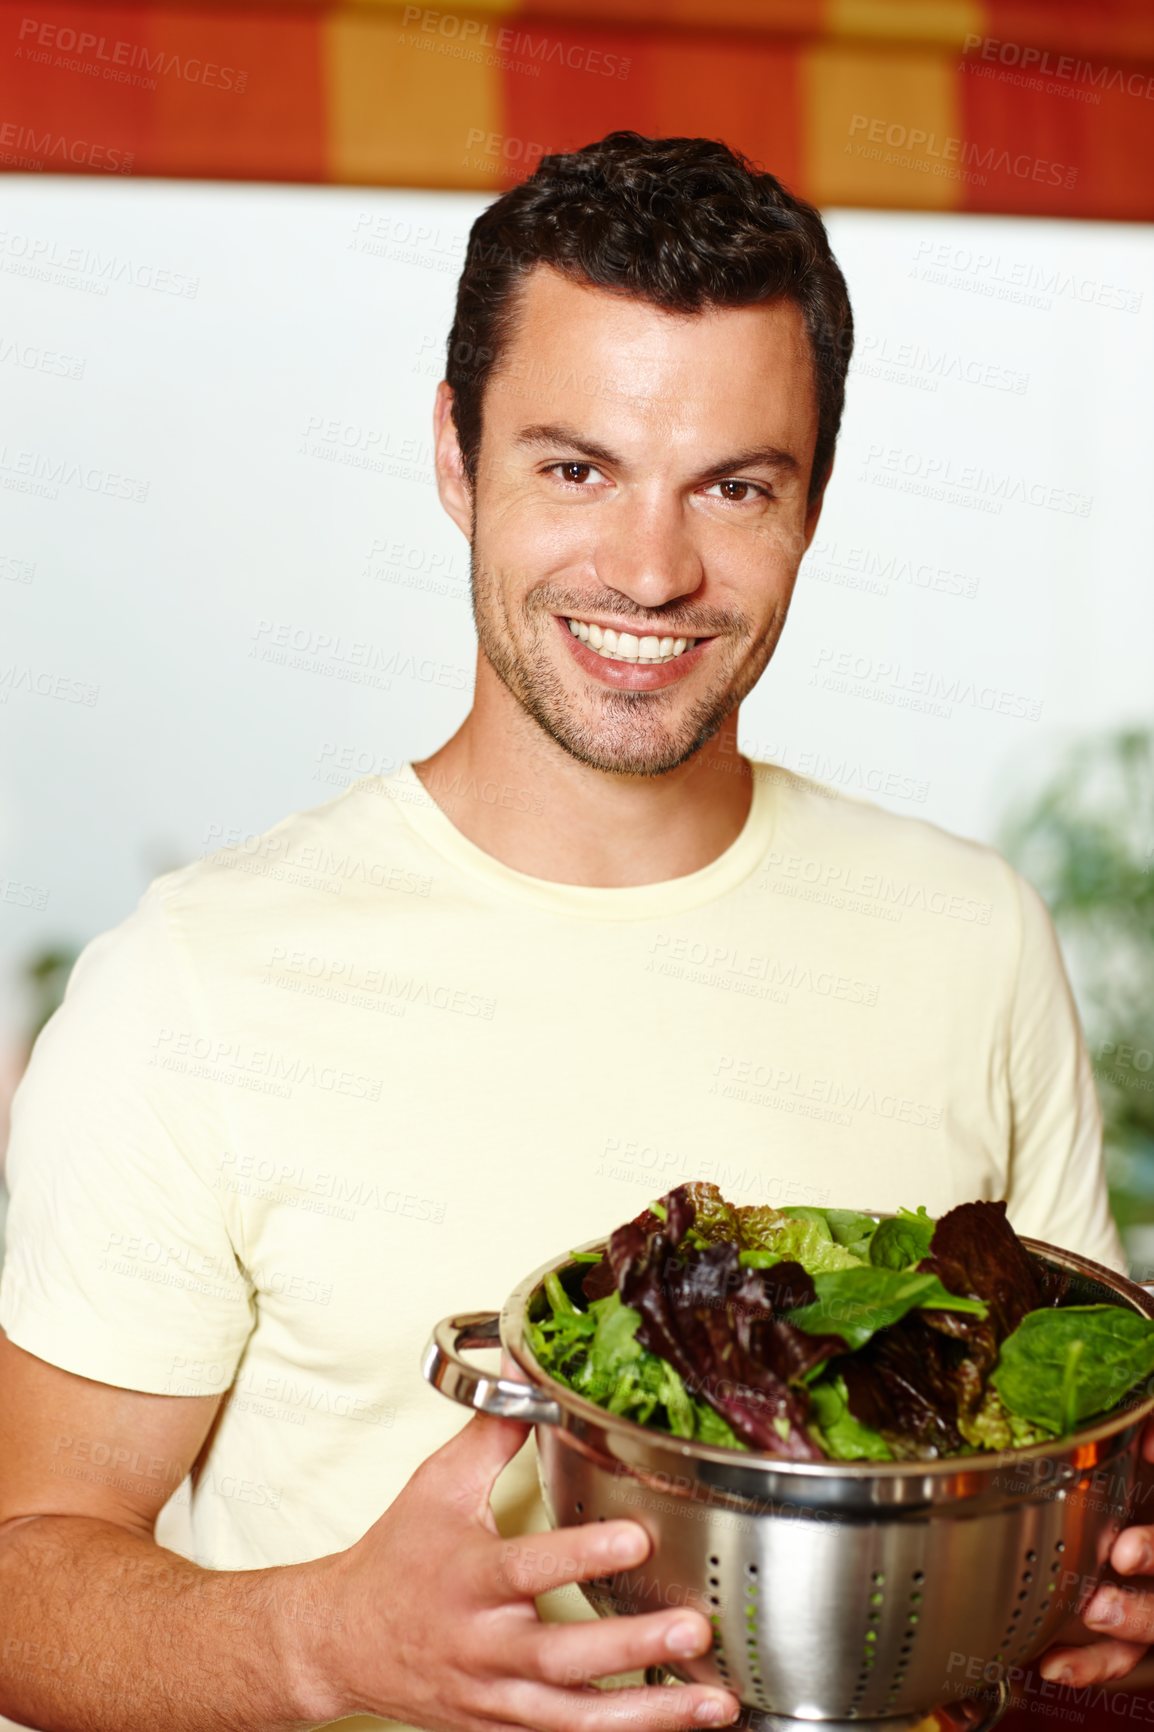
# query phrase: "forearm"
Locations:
[[102, 1630]]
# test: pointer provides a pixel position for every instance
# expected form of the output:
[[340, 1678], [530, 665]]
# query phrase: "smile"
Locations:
[[625, 646]]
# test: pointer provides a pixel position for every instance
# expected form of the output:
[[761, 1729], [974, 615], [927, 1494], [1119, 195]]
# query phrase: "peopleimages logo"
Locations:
[[118, 60], [1043, 64], [920, 143], [41, 146], [471, 34]]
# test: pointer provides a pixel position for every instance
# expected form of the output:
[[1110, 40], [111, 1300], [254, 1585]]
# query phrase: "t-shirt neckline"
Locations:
[[631, 901]]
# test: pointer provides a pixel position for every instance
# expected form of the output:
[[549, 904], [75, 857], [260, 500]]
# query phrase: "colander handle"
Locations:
[[444, 1368]]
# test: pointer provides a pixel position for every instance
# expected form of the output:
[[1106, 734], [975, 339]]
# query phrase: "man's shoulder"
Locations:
[[818, 823], [322, 853]]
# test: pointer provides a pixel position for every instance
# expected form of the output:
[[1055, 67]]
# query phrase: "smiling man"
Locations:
[[584, 951], [633, 559]]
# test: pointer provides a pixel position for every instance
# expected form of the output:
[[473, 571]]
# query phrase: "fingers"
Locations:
[[538, 1562], [1133, 1551], [656, 1707], [1121, 1612], [569, 1654], [1095, 1663]]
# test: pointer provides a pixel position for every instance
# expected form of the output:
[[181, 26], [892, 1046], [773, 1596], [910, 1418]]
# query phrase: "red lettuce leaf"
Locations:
[[718, 1324], [913, 1381], [906, 1384], [976, 1252]]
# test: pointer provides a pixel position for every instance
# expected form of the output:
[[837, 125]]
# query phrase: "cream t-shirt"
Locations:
[[332, 1084]]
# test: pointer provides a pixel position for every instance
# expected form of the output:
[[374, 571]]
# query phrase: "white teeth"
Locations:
[[626, 647]]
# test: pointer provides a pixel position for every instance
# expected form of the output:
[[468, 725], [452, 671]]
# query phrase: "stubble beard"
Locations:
[[621, 733]]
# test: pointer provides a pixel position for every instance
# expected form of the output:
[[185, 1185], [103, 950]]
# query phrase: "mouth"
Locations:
[[644, 649], [635, 661]]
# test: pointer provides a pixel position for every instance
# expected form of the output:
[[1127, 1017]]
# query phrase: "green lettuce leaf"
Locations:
[[843, 1437], [595, 1353], [855, 1303], [845, 1226], [993, 1426], [801, 1238]]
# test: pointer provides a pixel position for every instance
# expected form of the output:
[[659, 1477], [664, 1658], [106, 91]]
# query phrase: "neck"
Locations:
[[514, 792]]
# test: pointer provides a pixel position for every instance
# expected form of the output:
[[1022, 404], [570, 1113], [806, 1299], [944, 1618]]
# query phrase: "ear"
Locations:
[[813, 512], [452, 482]]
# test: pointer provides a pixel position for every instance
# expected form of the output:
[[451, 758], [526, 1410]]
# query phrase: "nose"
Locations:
[[646, 551]]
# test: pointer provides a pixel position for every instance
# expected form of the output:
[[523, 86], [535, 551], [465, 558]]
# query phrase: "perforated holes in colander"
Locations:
[[869, 1646], [909, 1633], [719, 1655], [1016, 1631], [1050, 1590], [752, 1635]]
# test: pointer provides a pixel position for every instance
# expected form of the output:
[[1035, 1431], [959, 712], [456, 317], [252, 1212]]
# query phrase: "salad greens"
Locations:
[[1073, 1363], [596, 1352], [819, 1334], [901, 1241], [855, 1303]]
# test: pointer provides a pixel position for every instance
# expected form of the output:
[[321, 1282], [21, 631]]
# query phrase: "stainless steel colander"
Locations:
[[837, 1591]]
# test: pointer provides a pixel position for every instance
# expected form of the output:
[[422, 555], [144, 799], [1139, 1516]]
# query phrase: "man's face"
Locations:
[[643, 472]]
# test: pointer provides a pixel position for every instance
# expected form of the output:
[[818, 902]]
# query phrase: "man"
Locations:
[[582, 952]]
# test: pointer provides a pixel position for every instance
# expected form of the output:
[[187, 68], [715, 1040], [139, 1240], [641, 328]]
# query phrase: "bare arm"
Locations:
[[101, 1627], [429, 1617]]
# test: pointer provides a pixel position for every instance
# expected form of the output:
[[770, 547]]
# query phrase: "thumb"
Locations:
[[474, 1456]]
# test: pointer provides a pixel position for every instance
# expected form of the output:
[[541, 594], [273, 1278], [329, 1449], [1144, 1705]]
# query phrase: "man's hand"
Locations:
[[429, 1617], [1122, 1617], [436, 1622]]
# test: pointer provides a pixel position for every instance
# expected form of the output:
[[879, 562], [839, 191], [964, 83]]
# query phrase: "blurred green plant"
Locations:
[[1087, 843], [46, 973]]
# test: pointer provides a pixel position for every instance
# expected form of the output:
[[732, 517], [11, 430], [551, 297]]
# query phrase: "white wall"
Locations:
[[274, 420]]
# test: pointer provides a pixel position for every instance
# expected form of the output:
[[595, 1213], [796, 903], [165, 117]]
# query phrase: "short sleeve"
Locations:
[[118, 1264], [1057, 1188]]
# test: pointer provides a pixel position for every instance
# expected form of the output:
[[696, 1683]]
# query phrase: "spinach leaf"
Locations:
[[902, 1240], [1062, 1365], [853, 1230], [855, 1303]]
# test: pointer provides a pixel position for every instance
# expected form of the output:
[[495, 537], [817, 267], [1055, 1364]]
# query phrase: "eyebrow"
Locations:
[[557, 434]]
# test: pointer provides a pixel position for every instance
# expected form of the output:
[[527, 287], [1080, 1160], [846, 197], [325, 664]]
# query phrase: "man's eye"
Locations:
[[748, 487], [569, 464]]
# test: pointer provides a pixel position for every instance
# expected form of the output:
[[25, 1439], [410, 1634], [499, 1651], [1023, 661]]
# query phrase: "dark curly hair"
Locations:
[[685, 223]]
